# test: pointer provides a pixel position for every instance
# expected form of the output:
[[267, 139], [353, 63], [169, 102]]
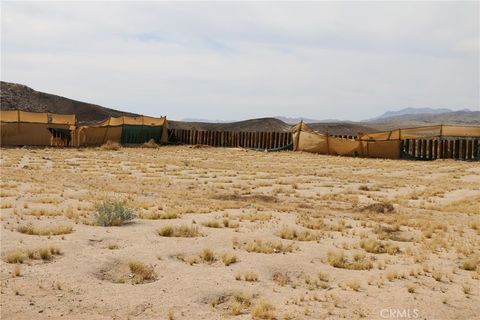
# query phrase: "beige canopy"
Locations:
[[19, 128]]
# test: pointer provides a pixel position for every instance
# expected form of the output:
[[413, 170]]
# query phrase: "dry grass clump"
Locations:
[[472, 263], [183, 231], [354, 285], [150, 144], [239, 303], [466, 205], [141, 272], [437, 275], [411, 288], [45, 231], [256, 216], [249, 276], [374, 246], [229, 258], [15, 256], [207, 255], [281, 278], [292, 234], [263, 310], [380, 207], [111, 146], [311, 223], [160, 215], [20, 256], [261, 246], [225, 223], [212, 224], [17, 271], [467, 288], [338, 260], [47, 253]]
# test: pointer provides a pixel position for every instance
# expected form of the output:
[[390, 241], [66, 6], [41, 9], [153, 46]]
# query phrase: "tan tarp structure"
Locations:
[[423, 132], [454, 131], [19, 128], [305, 139], [385, 144], [112, 128]]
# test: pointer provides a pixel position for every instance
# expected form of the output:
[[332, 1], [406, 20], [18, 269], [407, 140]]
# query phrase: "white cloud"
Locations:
[[242, 60]]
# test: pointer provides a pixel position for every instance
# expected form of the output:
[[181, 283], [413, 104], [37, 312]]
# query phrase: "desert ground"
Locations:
[[237, 234]]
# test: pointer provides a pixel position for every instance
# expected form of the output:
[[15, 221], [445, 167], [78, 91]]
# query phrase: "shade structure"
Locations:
[[386, 144], [124, 130], [20, 128]]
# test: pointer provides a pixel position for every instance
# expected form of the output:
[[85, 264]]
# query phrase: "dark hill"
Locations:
[[17, 96], [260, 124]]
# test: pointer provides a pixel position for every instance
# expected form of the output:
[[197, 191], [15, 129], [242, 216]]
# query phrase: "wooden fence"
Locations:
[[423, 149], [445, 148], [253, 140]]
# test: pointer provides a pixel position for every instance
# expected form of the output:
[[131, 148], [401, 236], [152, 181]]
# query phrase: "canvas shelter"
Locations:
[[124, 130], [385, 144], [20, 128], [306, 139], [437, 131]]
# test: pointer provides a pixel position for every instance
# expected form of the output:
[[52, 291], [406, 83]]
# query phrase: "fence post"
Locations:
[[468, 155], [457, 149], [464, 149], [430, 149], [476, 149]]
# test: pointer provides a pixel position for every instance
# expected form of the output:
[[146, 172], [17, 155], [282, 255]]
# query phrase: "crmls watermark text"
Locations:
[[392, 313]]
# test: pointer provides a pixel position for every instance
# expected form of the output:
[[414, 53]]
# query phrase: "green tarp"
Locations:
[[135, 134]]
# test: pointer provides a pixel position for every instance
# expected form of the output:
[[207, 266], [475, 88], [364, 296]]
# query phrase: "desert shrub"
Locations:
[[150, 144], [45, 231], [112, 213], [110, 145], [184, 231]]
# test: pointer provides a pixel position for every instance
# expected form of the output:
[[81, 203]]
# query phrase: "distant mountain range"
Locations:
[[16, 96], [412, 111]]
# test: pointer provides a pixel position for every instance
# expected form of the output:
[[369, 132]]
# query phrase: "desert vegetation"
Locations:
[[207, 233]]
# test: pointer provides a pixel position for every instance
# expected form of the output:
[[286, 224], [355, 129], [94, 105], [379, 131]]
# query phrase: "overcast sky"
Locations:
[[224, 61]]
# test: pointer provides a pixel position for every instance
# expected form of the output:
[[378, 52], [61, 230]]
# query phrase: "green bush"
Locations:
[[112, 213]]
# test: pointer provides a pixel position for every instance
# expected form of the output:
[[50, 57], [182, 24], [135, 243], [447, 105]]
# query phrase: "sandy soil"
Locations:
[[422, 261]]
